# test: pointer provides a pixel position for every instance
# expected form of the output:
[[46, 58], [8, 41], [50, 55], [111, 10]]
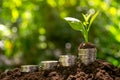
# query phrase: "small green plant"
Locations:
[[84, 26]]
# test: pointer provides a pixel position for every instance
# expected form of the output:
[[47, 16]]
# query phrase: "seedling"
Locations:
[[86, 55], [84, 26]]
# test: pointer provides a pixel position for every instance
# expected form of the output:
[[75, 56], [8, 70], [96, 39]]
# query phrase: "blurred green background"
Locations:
[[34, 30]]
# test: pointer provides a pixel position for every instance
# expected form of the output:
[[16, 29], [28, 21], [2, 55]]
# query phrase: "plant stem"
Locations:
[[86, 36]]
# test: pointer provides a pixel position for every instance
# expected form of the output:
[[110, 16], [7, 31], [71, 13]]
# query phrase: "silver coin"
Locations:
[[67, 60], [29, 68], [87, 56], [46, 65]]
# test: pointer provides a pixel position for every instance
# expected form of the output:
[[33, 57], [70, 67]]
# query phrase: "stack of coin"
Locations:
[[47, 65], [29, 68], [87, 56], [67, 60]]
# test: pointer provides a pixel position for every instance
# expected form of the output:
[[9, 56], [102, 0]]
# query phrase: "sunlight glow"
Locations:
[[2, 27], [4, 30], [113, 11], [52, 3], [15, 15], [27, 15], [42, 31]]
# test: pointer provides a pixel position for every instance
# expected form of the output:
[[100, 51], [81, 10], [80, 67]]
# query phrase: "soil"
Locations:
[[86, 45], [98, 70]]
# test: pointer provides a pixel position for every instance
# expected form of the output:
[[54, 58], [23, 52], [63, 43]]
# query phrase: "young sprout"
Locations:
[[84, 26]]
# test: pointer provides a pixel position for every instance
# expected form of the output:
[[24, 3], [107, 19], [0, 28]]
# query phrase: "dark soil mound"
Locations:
[[86, 45], [98, 70]]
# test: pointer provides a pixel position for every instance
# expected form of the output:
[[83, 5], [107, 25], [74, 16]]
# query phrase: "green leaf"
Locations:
[[75, 23], [92, 19], [86, 17]]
